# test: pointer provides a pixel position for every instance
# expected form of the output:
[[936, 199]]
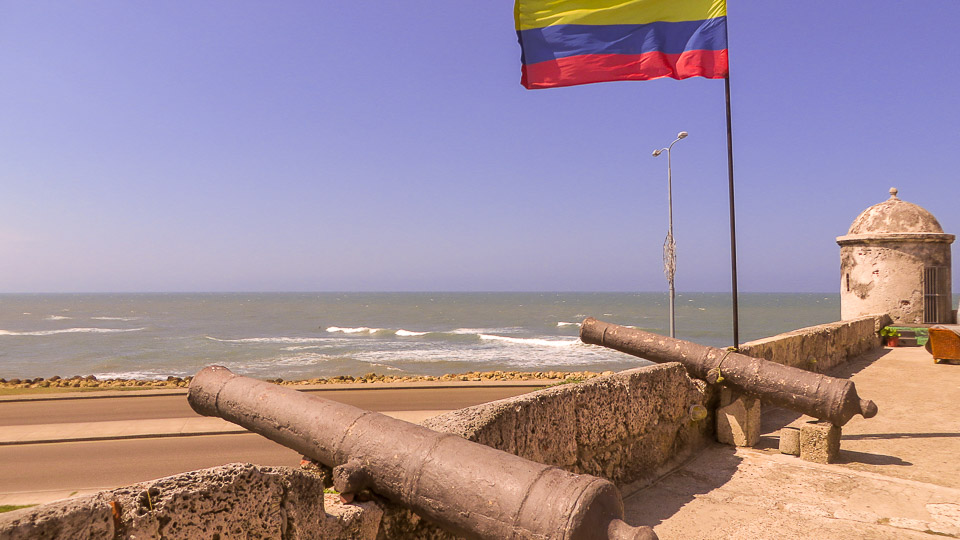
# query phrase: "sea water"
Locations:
[[305, 335]]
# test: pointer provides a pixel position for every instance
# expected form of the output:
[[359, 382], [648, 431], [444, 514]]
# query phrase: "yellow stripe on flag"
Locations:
[[540, 13]]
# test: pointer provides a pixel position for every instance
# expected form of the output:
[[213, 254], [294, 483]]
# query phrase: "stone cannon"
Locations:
[[813, 394], [470, 489]]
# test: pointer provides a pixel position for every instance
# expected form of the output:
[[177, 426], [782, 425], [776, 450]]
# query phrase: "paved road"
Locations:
[[20, 413], [32, 473], [67, 467]]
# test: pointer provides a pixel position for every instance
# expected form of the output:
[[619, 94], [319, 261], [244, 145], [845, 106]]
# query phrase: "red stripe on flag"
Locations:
[[593, 68]]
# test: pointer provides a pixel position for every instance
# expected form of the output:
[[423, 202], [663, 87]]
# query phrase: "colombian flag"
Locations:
[[570, 42]]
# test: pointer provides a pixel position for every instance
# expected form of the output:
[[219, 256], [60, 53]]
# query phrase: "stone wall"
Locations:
[[628, 427], [819, 348], [888, 276], [233, 501]]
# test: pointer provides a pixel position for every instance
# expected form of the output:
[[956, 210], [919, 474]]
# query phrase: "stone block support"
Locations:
[[738, 419], [790, 441], [819, 442]]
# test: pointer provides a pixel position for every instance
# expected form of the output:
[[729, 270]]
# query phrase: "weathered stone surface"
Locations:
[[790, 441], [84, 518], [233, 501], [895, 215], [627, 427], [819, 348], [399, 523], [738, 419], [359, 520], [819, 442]]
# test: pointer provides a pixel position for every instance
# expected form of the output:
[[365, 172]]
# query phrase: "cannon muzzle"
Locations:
[[470, 489], [813, 394]]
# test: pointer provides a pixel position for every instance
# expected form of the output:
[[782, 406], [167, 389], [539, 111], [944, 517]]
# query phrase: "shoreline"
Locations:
[[89, 383]]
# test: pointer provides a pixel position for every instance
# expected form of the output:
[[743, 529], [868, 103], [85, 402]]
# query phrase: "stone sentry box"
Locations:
[[896, 259]]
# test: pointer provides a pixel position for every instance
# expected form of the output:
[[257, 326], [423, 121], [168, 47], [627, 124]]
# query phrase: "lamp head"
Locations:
[[657, 152], [682, 135]]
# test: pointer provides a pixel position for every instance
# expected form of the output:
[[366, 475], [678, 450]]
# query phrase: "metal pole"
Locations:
[[733, 224], [669, 246], [673, 291]]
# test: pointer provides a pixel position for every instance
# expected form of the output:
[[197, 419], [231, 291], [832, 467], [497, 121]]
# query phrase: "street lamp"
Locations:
[[669, 246]]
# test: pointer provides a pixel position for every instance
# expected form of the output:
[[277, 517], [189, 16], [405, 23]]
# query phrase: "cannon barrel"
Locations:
[[813, 394], [472, 490]]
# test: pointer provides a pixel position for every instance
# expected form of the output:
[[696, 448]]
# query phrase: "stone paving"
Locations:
[[898, 475]]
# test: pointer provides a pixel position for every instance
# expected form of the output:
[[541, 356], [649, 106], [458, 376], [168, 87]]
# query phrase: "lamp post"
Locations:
[[669, 246]]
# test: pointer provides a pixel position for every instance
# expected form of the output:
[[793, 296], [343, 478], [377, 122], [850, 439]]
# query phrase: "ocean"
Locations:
[[306, 335]]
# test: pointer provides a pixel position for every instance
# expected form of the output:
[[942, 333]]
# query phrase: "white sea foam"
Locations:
[[478, 331], [561, 323], [365, 330], [408, 333], [358, 330], [307, 359], [270, 340], [467, 331], [290, 361], [57, 318], [534, 342], [387, 366], [533, 357], [70, 331], [115, 318], [138, 375]]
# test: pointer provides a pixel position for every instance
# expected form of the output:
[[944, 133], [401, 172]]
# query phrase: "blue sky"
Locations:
[[253, 146]]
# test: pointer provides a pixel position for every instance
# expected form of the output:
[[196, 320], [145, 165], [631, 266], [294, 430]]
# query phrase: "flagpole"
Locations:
[[733, 226]]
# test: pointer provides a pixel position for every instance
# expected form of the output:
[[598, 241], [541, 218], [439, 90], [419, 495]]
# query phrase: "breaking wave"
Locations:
[[365, 330], [533, 342], [133, 375], [280, 340], [358, 330], [408, 333], [71, 331]]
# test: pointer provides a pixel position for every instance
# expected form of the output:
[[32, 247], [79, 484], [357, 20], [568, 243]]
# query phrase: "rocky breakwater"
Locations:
[[91, 382]]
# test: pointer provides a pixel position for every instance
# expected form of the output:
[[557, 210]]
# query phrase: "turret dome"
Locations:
[[895, 216]]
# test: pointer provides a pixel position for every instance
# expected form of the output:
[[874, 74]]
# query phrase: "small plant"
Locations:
[[889, 332], [12, 507], [890, 336], [568, 380]]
